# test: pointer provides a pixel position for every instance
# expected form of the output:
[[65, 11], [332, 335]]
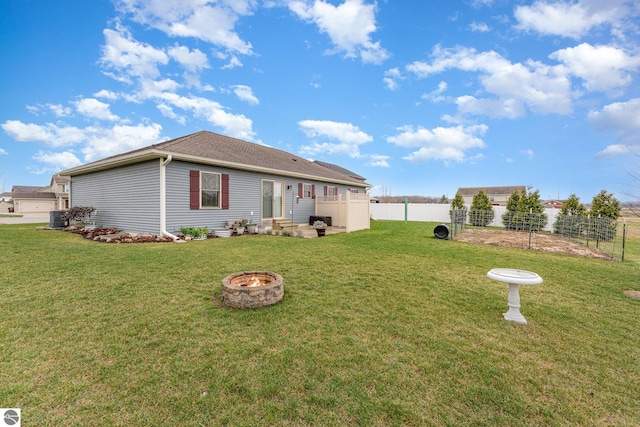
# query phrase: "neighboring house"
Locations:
[[39, 200], [497, 195], [32, 200], [6, 206], [60, 187], [204, 179], [554, 204]]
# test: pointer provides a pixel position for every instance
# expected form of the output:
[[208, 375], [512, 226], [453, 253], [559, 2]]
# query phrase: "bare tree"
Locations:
[[634, 208]]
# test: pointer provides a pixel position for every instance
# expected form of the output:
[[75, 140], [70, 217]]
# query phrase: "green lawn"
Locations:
[[382, 327]]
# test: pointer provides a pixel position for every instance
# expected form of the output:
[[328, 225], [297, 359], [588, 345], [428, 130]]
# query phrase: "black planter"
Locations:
[[321, 231]]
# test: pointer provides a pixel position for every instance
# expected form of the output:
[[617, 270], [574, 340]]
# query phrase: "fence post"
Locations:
[[530, 225], [406, 202], [624, 238]]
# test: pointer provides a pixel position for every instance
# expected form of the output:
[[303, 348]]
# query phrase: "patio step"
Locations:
[[283, 224]]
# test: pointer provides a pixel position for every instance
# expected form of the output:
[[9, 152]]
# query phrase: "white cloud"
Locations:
[[602, 68], [50, 134], [3, 152], [59, 110], [130, 57], [58, 161], [622, 118], [348, 136], [448, 144], [106, 94], [391, 78], [479, 27], [348, 25], [210, 21], [105, 142], [541, 88], [245, 93], [378, 160], [167, 111], [528, 152], [436, 94], [491, 107], [95, 109], [97, 142], [192, 60], [235, 125], [614, 150], [570, 19], [234, 62]]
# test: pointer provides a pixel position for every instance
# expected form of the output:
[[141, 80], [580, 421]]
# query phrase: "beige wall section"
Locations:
[[350, 211]]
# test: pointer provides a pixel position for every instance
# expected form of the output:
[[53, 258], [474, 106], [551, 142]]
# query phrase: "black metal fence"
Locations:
[[597, 235]]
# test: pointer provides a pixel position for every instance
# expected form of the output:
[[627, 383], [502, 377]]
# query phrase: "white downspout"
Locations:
[[163, 198]]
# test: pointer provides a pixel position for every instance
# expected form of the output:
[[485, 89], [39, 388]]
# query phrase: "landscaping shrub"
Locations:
[[481, 212], [525, 212]]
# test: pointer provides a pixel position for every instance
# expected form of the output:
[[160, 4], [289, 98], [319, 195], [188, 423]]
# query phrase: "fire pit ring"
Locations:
[[251, 289]]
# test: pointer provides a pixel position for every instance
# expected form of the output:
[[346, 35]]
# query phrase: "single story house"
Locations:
[[204, 179], [497, 195]]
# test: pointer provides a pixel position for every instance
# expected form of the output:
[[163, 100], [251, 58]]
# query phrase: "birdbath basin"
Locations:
[[514, 278]]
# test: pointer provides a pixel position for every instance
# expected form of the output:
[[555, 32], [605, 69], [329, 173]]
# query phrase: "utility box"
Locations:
[[56, 221]]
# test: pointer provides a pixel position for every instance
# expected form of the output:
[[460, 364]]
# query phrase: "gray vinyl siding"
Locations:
[[127, 197], [245, 197]]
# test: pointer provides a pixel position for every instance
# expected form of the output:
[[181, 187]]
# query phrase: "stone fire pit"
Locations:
[[251, 289]]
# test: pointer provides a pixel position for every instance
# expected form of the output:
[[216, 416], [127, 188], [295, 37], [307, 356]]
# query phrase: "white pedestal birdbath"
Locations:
[[514, 278]]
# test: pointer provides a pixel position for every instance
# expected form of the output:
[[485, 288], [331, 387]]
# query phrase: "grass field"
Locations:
[[382, 327]]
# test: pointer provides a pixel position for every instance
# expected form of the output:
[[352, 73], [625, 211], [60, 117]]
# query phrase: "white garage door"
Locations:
[[36, 206]]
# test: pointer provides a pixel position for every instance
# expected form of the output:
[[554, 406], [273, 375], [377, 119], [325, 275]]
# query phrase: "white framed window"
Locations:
[[210, 190], [332, 191], [306, 191]]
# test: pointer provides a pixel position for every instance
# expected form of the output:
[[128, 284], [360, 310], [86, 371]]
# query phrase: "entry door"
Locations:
[[272, 199]]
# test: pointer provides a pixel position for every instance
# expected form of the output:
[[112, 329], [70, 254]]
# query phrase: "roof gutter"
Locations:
[[163, 198]]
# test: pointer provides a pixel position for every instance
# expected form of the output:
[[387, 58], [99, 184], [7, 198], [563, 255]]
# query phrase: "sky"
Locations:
[[419, 97]]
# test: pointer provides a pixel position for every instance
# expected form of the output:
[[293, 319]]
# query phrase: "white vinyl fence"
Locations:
[[429, 212], [349, 211]]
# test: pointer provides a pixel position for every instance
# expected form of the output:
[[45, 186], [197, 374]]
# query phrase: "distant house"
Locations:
[[205, 179], [32, 200], [60, 187], [554, 204], [497, 195], [39, 200]]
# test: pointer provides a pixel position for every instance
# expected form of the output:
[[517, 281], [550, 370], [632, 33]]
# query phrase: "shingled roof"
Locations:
[[340, 169], [506, 190], [215, 149]]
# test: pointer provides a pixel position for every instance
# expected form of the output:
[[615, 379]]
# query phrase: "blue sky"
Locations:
[[419, 97]]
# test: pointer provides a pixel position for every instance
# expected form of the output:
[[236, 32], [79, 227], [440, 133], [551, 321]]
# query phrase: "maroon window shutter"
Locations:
[[313, 191], [225, 191], [194, 190], [300, 190], [326, 190]]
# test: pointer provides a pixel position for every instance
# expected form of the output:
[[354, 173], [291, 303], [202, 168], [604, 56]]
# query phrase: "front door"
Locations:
[[272, 199]]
